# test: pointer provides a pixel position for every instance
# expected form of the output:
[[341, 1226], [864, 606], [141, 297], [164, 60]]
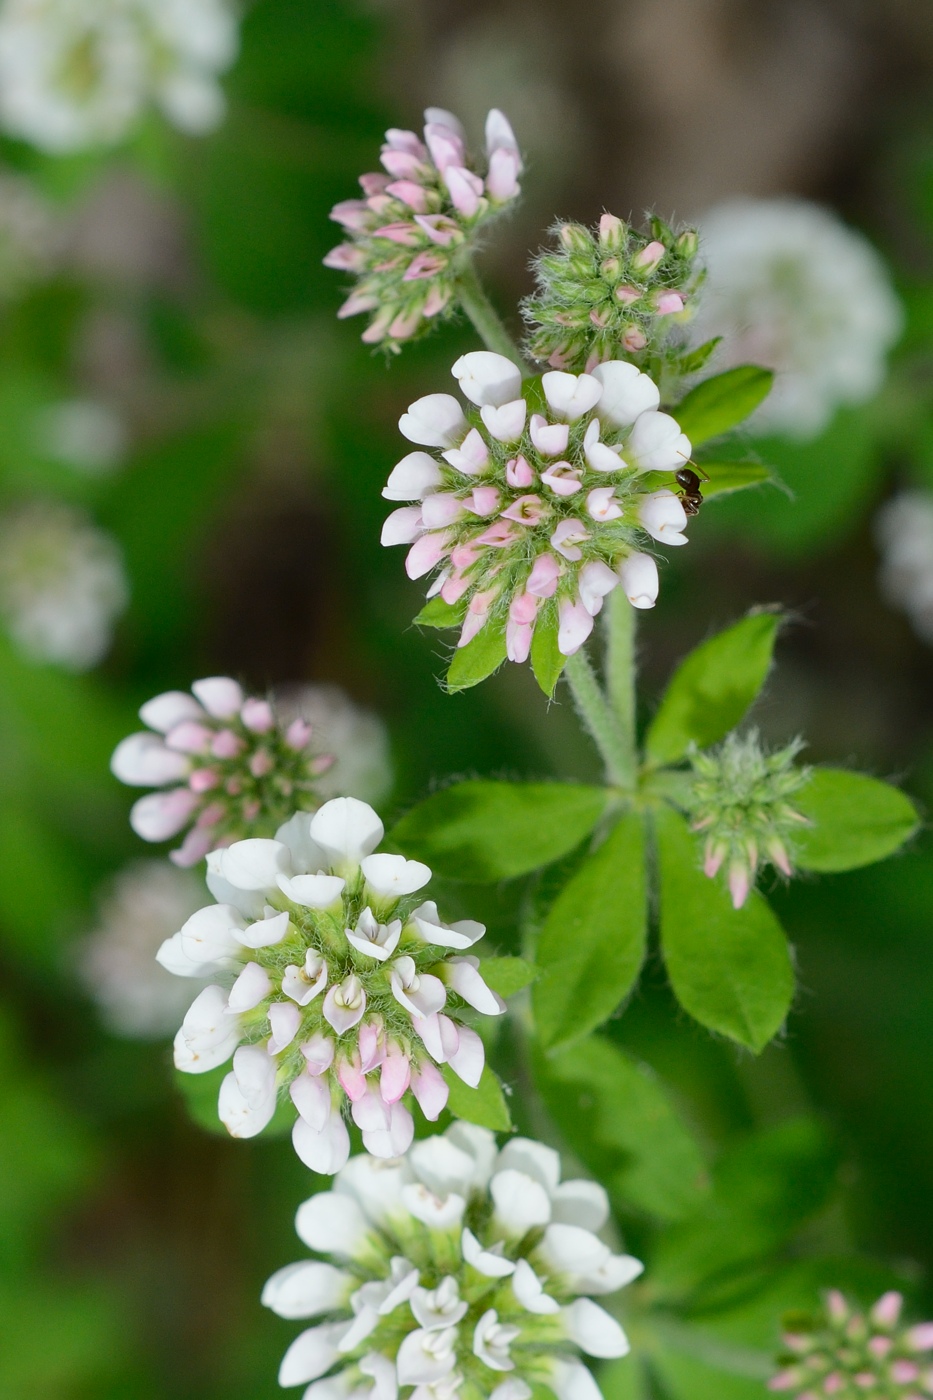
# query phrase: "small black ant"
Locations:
[[691, 498]]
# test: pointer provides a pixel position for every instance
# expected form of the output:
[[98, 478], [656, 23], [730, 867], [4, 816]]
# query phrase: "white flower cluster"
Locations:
[[78, 73], [537, 510], [62, 584], [145, 904], [457, 1269], [332, 977], [356, 737], [904, 531], [791, 287]]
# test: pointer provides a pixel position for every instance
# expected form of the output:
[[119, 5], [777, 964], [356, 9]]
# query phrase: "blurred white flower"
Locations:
[[75, 74], [357, 738], [82, 433], [904, 531], [62, 583], [792, 287], [145, 904], [28, 235]]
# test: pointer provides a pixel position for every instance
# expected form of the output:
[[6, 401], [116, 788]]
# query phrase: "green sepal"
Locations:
[[856, 821], [507, 975], [485, 1105], [437, 613], [478, 659], [722, 402], [729, 968], [592, 944], [713, 687], [482, 831], [546, 661]]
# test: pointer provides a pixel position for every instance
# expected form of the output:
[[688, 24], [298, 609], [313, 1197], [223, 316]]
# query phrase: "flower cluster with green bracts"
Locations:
[[740, 800], [610, 293], [851, 1356]]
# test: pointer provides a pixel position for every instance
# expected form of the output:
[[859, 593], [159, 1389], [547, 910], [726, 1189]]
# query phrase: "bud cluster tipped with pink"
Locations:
[[225, 765], [537, 504], [610, 292], [333, 983], [410, 233], [849, 1355]]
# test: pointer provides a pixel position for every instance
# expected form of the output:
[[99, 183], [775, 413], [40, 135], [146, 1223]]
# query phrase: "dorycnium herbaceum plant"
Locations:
[[342, 993]]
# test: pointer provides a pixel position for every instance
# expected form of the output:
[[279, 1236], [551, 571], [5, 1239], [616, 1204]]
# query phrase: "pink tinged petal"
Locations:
[[412, 477], [142, 760], [351, 1076], [397, 139], [164, 711], [483, 501], [226, 744], [346, 257], [453, 589], [473, 624], [440, 508], [411, 193], [257, 715], [298, 734], [445, 143], [500, 534], [249, 989], [471, 457], [193, 849], [601, 504], [576, 624], [668, 303], [403, 165], [920, 1337], [371, 1042], [247, 1098], [465, 188], [627, 392], [220, 696], [542, 581], [550, 439], [440, 228], [191, 736], [424, 266], [441, 1036], [284, 1020], [739, 883], [404, 234], [440, 116], [430, 1089], [527, 510], [595, 581], [663, 517], [639, 575], [311, 1097], [203, 780], [499, 133], [518, 639], [562, 478], [426, 553], [469, 1058], [502, 177], [505, 424], [524, 608], [904, 1372], [566, 537], [325, 1152], [518, 472], [570, 396], [345, 1005], [437, 298], [886, 1312], [462, 974], [650, 257], [434, 421], [627, 295], [656, 443], [319, 1053], [394, 1077], [394, 876], [161, 815], [353, 214], [356, 304]]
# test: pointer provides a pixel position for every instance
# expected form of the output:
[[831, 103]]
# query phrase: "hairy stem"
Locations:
[[620, 674], [486, 319], [600, 720]]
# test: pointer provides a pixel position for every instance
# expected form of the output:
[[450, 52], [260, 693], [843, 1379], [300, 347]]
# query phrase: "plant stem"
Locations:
[[485, 317], [620, 672], [600, 720]]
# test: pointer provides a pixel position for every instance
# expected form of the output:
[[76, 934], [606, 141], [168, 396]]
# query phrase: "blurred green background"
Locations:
[[190, 297]]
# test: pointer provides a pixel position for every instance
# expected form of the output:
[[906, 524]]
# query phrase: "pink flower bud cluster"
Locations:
[[410, 233], [535, 507], [333, 984], [224, 763], [850, 1356], [611, 292]]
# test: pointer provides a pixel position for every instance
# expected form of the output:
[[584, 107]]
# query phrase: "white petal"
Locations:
[[202, 1058], [488, 378], [307, 1289], [484, 1261], [254, 864], [479, 1144], [594, 1330], [210, 935], [613, 1273], [442, 1166], [296, 835], [627, 392], [512, 1389], [347, 829], [437, 1212], [657, 444], [463, 975], [164, 711], [249, 989], [528, 1290], [412, 477], [264, 933], [311, 1354], [571, 1249], [571, 1380], [312, 891], [324, 1152], [505, 424], [142, 760], [247, 1096], [172, 956], [402, 526], [375, 1186], [394, 875], [521, 1202], [533, 1158], [220, 696], [580, 1203], [416, 1363], [332, 1223], [434, 421], [469, 1058], [569, 396]]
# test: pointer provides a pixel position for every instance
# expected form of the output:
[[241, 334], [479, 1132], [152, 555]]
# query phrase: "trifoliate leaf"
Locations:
[[478, 659], [437, 613], [729, 968], [592, 945], [856, 820], [712, 688], [484, 1105], [507, 975], [485, 831], [722, 402]]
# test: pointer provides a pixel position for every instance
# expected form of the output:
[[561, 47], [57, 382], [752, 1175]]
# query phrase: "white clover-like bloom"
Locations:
[[904, 531], [791, 287], [453, 1266], [331, 976], [62, 584], [523, 515], [75, 74], [144, 905], [29, 238], [232, 765]]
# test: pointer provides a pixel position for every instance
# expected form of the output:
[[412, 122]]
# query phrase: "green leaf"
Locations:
[[507, 975], [619, 1118], [856, 820], [727, 477], [729, 968], [713, 687], [592, 945], [694, 360], [484, 1105], [623, 1379], [437, 613], [688, 1377], [478, 659], [722, 402], [484, 831], [547, 661]]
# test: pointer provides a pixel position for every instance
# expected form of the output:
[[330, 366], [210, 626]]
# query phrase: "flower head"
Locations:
[[791, 287], [904, 531], [333, 978], [531, 509], [74, 75], [62, 584], [851, 1355], [610, 293], [456, 1266], [227, 765], [417, 222], [740, 800]]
